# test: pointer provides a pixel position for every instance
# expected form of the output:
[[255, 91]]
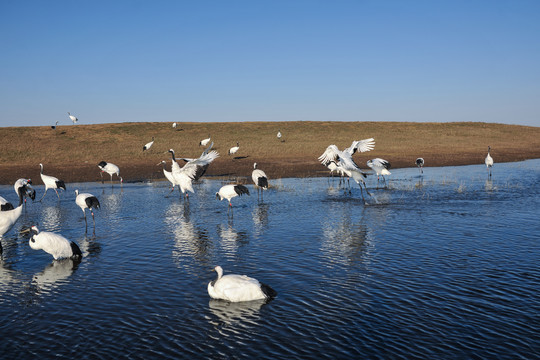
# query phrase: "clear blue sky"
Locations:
[[118, 61]]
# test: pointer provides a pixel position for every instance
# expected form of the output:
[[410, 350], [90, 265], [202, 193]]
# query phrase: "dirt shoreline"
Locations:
[[71, 153]]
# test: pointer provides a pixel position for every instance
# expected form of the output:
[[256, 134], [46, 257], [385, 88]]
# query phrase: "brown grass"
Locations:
[[73, 151]]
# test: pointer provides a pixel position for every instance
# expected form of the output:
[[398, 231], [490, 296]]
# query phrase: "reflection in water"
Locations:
[[231, 313], [6, 277], [260, 217], [189, 240], [488, 186], [89, 246], [51, 217], [54, 274], [231, 239], [345, 241]]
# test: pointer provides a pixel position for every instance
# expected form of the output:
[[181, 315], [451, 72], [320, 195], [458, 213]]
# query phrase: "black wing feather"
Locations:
[[241, 189], [92, 202]]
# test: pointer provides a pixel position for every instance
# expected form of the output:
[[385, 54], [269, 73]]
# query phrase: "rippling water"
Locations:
[[439, 266]]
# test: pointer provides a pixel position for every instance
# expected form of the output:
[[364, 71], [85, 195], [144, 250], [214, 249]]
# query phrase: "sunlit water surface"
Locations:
[[439, 266]]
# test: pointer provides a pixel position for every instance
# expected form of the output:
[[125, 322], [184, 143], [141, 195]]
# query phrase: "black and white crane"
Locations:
[[51, 183], [234, 149], [204, 142], [87, 201], [238, 288], [259, 179], [23, 188], [73, 118], [489, 161], [148, 145], [110, 169], [230, 191], [381, 167], [56, 245], [9, 215], [420, 164]]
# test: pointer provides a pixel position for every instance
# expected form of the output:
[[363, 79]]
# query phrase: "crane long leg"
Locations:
[[94, 220], [43, 194], [85, 222], [56, 191]]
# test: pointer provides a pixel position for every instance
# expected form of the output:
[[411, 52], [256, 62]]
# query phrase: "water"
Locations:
[[441, 266]]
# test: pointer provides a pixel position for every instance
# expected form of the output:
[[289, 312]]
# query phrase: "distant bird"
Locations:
[[174, 125], [54, 126], [279, 136], [259, 179], [169, 176], [234, 149], [380, 166], [73, 118], [56, 245], [344, 162], [237, 288], [489, 161], [230, 191], [87, 201], [420, 164], [110, 169], [148, 145], [9, 215], [51, 183], [24, 189], [205, 141]]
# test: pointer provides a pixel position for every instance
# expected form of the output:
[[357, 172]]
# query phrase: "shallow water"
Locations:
[[439, 266]]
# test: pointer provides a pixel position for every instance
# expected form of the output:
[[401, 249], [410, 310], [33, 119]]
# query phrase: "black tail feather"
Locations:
[[268, 291], [241, 189], [92, 202], [75, 250], [262, 182]]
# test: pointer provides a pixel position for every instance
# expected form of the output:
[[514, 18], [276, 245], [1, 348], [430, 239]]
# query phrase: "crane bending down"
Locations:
[[237, 288], [51, 183], [420, 164], [230, 191], [87, 201], [344, 162], [110, 169]]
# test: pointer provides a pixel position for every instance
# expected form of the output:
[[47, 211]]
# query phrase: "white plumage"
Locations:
[[51, 183], [489, 161], [110, 169], [205, 141], [259, 179], [202, 162], [148, 145], [169, 176], [344, 162], [9, 215], [174, 125], [237, 288], [234, 149], [380, 166], [279, 136], [73, 118], [23, 187], [87, 201], [230, 191], [192, 170], [56, 245]]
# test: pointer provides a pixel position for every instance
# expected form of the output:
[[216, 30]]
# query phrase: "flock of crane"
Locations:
[[228, 287]]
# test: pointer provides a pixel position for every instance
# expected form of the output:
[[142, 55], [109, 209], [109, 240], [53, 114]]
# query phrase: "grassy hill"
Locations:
[[72, 152]]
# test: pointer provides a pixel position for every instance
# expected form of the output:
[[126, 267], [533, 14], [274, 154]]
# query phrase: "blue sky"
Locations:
[[118, 61]]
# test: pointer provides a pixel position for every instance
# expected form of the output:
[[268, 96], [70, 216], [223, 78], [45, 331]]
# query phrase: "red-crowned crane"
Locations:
[[87, 201], [51, 183], [237, 288]]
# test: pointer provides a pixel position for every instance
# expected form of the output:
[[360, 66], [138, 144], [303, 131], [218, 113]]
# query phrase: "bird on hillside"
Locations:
[[344, 162], [23, 188], [489, 161], [9, 214], [420, 164], [259, 179], [205, 141], [234, 149], [380, 166], [279, 136], [51, 183], [148, 145], [54, 126], [56, 245], [174, 125], [73, 118], [237, 288], [230, 191], [87, 201], [110, 169]]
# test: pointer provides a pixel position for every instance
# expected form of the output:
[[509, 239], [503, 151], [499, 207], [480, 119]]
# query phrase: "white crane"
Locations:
[[202, 162], [344, 162], [51, 183], [174, 125], [148, 145], [230, 191], [237, 288], [73, 118], [87, 201], [110, 169], [279, 136], [9, 215], [169, 176], [23, 188], [420, 164], [234, 149], [489, 161], [259, 179], [184, 176], [205, 141], [380, 166], [56, 245]]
